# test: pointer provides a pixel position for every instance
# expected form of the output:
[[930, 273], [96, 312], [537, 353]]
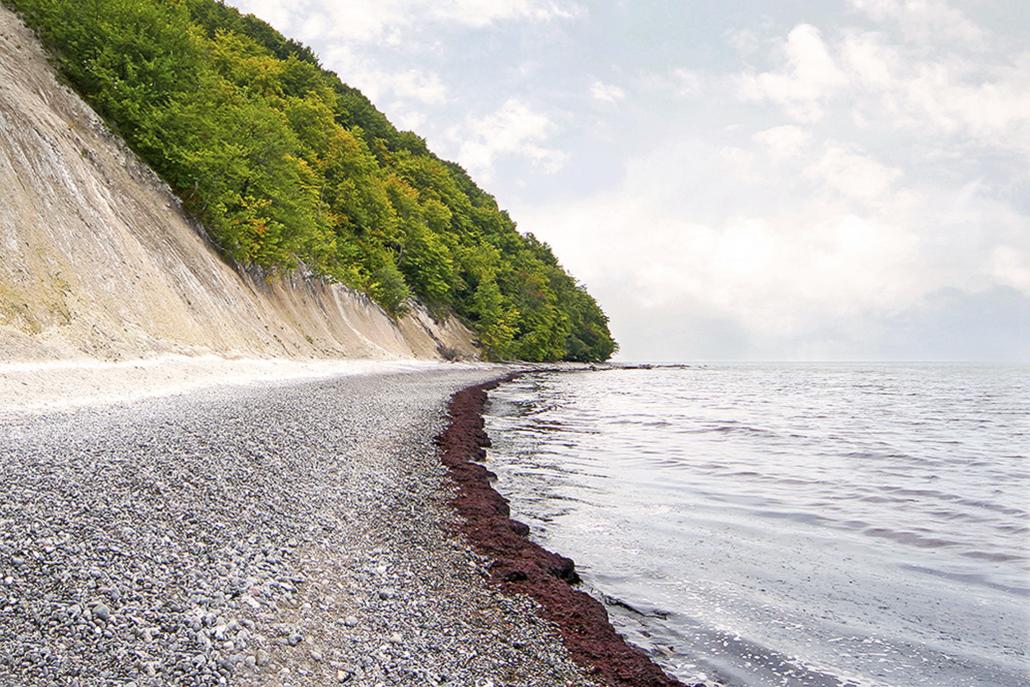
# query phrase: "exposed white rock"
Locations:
[[99, 261]]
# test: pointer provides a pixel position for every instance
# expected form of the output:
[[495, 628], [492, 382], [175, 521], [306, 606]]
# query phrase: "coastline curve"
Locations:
[[520, 566]]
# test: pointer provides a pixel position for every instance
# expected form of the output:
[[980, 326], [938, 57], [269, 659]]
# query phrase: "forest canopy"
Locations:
[[286, 166]]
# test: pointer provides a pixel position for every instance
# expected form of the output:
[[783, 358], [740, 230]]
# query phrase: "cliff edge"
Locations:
[[100, 261]]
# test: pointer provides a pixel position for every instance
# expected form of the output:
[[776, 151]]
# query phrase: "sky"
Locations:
[[789, 180]]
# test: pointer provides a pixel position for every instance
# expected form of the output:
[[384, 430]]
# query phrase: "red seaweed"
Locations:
[[521, 566]]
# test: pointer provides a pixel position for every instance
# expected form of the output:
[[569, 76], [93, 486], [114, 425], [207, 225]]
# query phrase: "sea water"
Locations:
[[788, 524]]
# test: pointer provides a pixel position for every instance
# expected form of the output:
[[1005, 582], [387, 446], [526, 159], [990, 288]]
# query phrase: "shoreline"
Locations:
[[41, 386], [520, 566]]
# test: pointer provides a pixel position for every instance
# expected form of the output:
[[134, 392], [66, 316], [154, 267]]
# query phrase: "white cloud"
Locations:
[[513, 130], [744, 41], [376, 21], [1011, 267], [349, 28], [415, 84], [685, 82], [922, 87], [853, 174], [279, 13], [406, 119], [679, 82], [810, 76], [783, 141], [993, 108], [606, 93], [870, 60], [923, 20], [483, 12], [944, 94], [836, 239]]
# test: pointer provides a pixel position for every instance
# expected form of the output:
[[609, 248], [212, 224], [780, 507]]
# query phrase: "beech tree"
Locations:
[[287, 165]]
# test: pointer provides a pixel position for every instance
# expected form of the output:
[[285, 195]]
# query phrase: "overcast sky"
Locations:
[[781, 180]]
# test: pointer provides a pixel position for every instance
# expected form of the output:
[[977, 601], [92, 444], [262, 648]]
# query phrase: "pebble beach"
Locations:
[[286, 534]]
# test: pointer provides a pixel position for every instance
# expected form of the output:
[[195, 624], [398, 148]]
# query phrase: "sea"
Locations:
[[788, 524]]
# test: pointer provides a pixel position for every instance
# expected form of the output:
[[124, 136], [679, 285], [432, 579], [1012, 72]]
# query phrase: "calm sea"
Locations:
[[788, 524]]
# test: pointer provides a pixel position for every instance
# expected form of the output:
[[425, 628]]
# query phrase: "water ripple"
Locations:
[[789, 525]]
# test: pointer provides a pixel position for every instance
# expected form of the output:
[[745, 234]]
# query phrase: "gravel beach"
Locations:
[[289, 534]]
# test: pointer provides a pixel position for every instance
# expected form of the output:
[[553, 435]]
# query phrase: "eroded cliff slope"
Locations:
[[99, 260]]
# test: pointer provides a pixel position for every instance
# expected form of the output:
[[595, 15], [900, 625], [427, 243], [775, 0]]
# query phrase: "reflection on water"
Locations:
[[789, 524]]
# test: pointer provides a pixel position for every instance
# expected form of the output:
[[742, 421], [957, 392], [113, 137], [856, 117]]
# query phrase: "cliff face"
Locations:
[[99, 260]]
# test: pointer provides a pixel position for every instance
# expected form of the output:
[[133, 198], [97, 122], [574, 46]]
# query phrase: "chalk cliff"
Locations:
[[99, 260]]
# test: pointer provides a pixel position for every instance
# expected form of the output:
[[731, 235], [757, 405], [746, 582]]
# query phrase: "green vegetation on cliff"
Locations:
[[287, 165]]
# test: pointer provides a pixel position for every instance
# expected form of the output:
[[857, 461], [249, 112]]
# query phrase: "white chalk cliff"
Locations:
[[99, 260]]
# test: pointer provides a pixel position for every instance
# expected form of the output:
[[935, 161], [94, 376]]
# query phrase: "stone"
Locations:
[[101, 612]]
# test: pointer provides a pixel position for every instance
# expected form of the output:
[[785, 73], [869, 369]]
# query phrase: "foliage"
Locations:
[[285, 164]]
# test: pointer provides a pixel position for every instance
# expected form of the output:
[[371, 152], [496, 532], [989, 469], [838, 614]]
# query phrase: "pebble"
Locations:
[[101, 612], [232, 528]]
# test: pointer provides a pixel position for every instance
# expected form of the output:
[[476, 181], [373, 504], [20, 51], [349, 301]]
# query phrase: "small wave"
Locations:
[[919, 493], [909, 537], [876, 498], [625, 605], [794, 516], [992, 506], [996, 556], [969, 578]]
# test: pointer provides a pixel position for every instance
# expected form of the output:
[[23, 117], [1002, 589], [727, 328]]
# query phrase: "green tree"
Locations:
[[287, 165]]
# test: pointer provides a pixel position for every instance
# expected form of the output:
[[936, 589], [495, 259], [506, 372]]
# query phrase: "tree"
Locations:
[[285, 164]]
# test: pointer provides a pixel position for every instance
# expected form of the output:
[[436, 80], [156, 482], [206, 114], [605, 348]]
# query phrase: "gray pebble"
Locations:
[[231, 526]]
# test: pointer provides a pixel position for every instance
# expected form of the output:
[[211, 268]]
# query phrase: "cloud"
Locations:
[[869, 60], [923, 20], [929, 88], [811, 255], [810, 76], [513, 130], [945, 94], [606, 93], [783, 141], [403, 88], [1010, 266], [853, 174], [993, 324], [679, 82], [378, 21], [993, 109], [744, 41], [484, 12], [406, 119], [415, 84], [279, 13]]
